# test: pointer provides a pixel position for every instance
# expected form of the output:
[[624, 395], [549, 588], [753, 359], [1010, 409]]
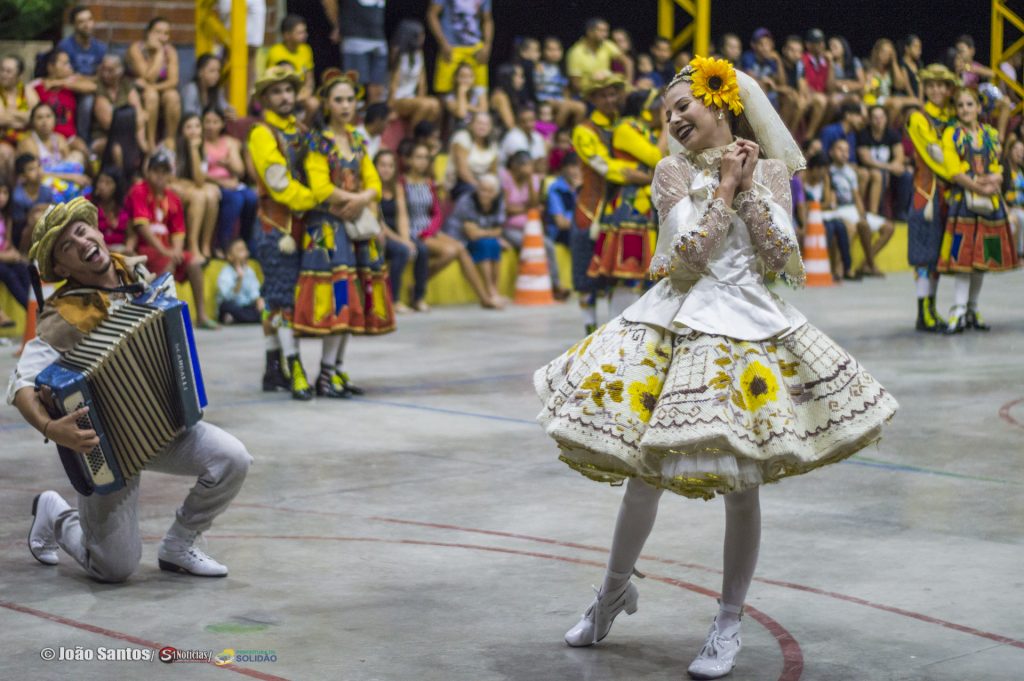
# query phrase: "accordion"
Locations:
[[138, 373]]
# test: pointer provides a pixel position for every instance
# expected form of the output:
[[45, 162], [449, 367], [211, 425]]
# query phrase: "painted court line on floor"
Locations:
[[1004, 412], [128, 638]]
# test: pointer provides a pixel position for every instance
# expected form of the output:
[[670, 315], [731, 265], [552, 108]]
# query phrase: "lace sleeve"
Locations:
[[775, 243], [693, 247], [672, 177]]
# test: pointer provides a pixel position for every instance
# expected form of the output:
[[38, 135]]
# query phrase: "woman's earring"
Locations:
[[721, 115]]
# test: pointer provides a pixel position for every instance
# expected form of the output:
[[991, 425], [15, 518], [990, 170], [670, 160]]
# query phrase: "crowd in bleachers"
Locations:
[[462, 156]]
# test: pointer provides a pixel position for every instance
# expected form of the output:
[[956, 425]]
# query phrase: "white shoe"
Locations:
[[718, 656], [181, 555], [597, 620], [42, 543]]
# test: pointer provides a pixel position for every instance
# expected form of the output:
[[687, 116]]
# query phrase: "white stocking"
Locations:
[[622, 297], [636, 519], [742, 541], [330, 353], [339, 356], [972, 295], [289, 346], [933, 284], [961, 293], [923, 285]]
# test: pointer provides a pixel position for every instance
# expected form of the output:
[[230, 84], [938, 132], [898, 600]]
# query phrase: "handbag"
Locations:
[[979, 204], [366, 226]]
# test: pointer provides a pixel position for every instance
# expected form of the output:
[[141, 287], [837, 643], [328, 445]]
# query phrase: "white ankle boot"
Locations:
[[597, 620], [718, 656], [179, 553], [42, 542]]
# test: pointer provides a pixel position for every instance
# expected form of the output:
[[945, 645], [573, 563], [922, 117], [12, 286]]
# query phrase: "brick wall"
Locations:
[[122, 22]]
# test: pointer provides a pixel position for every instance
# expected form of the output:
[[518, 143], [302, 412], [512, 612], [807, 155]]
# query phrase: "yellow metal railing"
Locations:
[[211, 33], [697, 32], [1000, 53]]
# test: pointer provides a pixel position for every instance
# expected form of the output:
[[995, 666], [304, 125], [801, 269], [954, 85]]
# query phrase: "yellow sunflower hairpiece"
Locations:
[[714, 81]]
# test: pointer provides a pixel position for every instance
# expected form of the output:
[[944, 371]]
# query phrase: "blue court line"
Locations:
[[854, 460]]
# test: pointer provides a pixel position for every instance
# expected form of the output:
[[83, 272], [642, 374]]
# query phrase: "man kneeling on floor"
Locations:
[[102, 534]]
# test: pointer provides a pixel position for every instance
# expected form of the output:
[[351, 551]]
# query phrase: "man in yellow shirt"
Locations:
[[464, 30], [603, 175], [275, 144], [592, 54], [295, 51]]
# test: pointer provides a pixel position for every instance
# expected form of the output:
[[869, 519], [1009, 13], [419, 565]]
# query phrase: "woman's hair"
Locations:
[[381, 154], [216, 110], [122, 137], [35, 109], [907, 41], [848, 58], [406, 40], [635, 101], [876, 52], [210, 95], [517, 96], [323, 117], [185, 169], [51, 57], [114, 173], [7, 181], [967, 91], [152, 24], [519, 158]]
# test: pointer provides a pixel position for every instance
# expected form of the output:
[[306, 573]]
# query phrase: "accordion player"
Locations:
[[139, 375]]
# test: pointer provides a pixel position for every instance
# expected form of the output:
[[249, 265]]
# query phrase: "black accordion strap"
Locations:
[[37, 284]]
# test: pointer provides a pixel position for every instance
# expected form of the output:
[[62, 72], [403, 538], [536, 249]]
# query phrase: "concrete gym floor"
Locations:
[[427, 531]]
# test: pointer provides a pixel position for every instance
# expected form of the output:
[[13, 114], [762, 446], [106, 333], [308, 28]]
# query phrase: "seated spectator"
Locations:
[[851, 122], [294, 49], [509, 94], [593, 53], [464, 33], [399, 247], [60, 89], [1013, 191], [847, 73], [154, 63], [661, 56], [85, 53], [63, 167], [434, 249], [973, 73], [108, 197], [477, 221], [524, 137], [466, 99], [114, 91], [430, 135], [546, 125], [886, 81], [122, 147], [16, 101], [154, 214], [561, 203], [625, 63], [730, 48], [238, 288], [375, 121], [200, 197], [552, 85], [646, 77], [13, 266], [560, 148], [528, 56], [819, 76], [795, 96], [408, 92], [762, 63], [880, 150], [817, 187], [236, 215], [850, 208], [28, 192], [205, 89], [910, 62], [473, 154], [521, 187]]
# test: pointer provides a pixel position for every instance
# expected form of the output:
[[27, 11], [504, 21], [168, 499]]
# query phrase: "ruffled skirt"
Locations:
[[701, 415]]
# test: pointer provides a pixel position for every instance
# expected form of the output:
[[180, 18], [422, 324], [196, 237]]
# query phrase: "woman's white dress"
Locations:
[[710, 383]]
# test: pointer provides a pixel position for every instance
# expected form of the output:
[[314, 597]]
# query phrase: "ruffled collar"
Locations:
[[707, 159]]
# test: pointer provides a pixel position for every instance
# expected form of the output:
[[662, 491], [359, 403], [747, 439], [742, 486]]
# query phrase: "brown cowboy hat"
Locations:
[[277, 74]]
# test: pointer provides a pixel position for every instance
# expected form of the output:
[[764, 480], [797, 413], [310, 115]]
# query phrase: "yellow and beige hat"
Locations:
[[49, 227], [277, 74]]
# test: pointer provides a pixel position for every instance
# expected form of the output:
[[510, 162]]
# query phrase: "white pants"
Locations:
[[102, 534]]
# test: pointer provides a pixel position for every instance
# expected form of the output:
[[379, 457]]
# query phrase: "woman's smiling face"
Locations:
[[690, 122]]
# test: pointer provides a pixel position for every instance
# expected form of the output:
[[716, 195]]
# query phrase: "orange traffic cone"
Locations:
[[533, 285], [816, 261], [30, 324]]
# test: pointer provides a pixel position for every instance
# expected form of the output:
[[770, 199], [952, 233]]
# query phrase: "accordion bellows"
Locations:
[[139, 375]]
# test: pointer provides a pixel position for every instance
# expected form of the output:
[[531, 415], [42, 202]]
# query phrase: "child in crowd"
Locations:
[[29, 191], [108, 197], [561, 201], [155, 214], [295, 50], [238, 288], [545, 124], [552, 85], [560, 148], [646, 77], [375, 121], [818, 188], [466, 98], [850, 208]]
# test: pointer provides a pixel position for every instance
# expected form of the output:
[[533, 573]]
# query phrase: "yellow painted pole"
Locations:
[[997, 34], [702, 32], [238, 74], [667, 19]]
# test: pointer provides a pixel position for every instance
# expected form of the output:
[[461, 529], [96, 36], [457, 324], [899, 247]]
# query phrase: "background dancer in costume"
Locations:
[[978, 237], [102, 534], [926, 218], [622, 253], [343, 283], [709, 384], [275, 144], [603, 174]]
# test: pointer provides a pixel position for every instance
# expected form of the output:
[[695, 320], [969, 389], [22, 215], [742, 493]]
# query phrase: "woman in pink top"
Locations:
[[226, 169], [154, 62]]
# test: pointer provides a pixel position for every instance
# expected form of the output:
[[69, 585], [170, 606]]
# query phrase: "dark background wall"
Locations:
[[938, 22]]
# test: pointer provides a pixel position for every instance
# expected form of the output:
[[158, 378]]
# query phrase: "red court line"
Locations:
[[120, 636], [1004, 412], [774, 582], [792, 656]]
